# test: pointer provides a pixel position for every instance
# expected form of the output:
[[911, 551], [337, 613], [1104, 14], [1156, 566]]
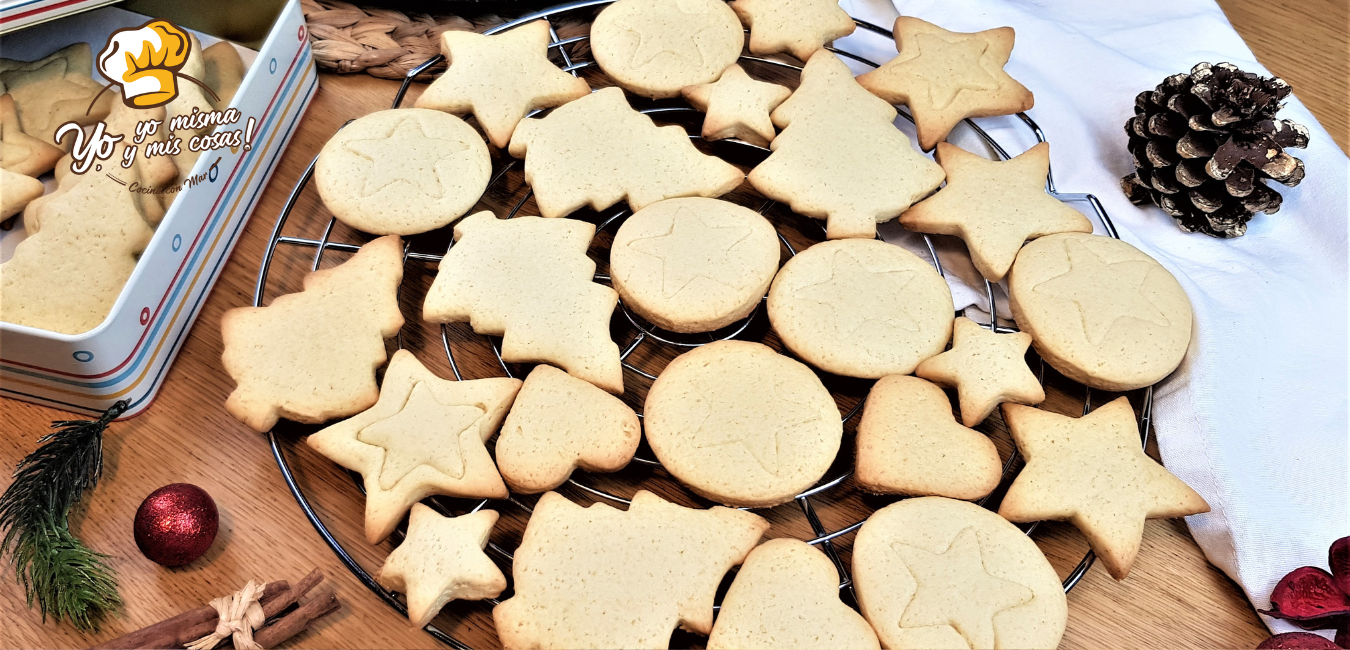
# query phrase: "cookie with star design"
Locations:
[[654, 48], [1092, 471], [500, 78], [741, 424], [442, 560], [737, 106], [402, 171], [861, 308], [424, 436], [933, 572], [986, 368], [1100, 311], [798, 27], [909, 443], [945, 77], [693, 264], [994, 207]]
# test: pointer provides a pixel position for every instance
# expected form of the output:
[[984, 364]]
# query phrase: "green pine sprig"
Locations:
[[64, 577]]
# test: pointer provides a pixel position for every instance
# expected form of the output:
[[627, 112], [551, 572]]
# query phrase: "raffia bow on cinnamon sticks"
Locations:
[[276, 598]]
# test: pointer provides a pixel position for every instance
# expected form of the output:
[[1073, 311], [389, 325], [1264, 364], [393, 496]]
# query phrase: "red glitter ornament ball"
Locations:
[[176, 524]]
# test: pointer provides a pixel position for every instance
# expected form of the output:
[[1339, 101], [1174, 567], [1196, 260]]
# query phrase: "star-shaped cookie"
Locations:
[[840, 157], [500, 78], [1103, 292], [737, 106], [985, 368], [598, 151], [1092, 471], [656, 47], [19, 152], [798, 27], [424, 436], [953, 588], [54, 90], [994, 207], [442, 560], [945, 77]]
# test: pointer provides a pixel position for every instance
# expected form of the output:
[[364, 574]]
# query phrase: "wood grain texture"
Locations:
[[1173, 598]]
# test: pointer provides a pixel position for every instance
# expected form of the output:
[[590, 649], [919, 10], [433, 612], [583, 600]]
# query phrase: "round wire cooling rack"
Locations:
[[642, 333]]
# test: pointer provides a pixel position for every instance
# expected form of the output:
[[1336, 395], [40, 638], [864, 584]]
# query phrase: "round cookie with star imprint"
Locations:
[[402, 171], [741, 424], [1100, 311], [693, 264], [933, 572], [656, 47], [861, 308]]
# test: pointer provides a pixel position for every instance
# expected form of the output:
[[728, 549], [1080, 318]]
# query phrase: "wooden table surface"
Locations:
[[1173, 598]]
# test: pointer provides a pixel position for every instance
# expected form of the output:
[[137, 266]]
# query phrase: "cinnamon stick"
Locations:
[[180, 630], [323, 603]]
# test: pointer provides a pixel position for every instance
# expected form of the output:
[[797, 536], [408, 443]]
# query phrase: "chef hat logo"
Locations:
[[144, 61]]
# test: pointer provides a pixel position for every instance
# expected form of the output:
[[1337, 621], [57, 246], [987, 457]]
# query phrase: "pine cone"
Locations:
[[1205, 142]]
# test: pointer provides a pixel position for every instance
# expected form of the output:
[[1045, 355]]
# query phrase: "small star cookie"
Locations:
[[654, 48], [529, 281], [737, 106], [840, 157], [932, 572], [54, 90], [572, 157], [693, 264], [945, 77], [994, 207], [659, 569], [403, 171], [500, 78], [861, 308], [986, 369], [560, 423], [442, 560], [19, 152], [798, 27], [786, 596], [741, 424], [424, 436], [1092, 471], [311, 356], [1099, 310], [909, 443]]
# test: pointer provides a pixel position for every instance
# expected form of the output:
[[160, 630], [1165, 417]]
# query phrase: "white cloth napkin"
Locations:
[[1255, 419]]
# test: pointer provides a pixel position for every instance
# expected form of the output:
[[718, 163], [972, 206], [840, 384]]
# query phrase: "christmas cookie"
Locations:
[[424, 436], [985, 368], [311, 356], [21, 153], [529, 281], [659, 569], [798, 27], [656, 47], [1100, 311], [909, 443], [786, 595], [54, 90], [839, 157], [1092, 471], [939, 573], [572, 157], [560, 423], [442, 560], [224, 72], [861, 308], [994, 207], [191, 99], [945, 77], [693, 264], [500, 78], [741, 424], [403, 171], [16, 191], [737, 106]]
